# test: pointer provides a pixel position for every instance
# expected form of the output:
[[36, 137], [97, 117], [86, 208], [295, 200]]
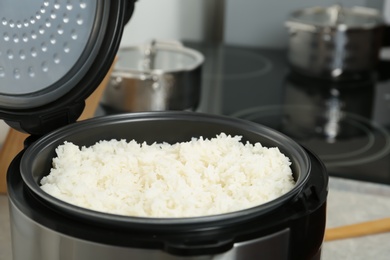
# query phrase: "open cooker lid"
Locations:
[[53, 55]]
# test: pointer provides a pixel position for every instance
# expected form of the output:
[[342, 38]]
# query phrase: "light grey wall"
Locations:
[[166, 20], [257, 23]]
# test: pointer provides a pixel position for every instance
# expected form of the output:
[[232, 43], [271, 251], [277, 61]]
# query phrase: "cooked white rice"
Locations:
[[196, 178]]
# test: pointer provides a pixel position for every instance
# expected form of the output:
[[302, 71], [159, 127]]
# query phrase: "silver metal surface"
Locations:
[[214, 16], [332, 43], [157, 76], [46, 46], [336, 17], [36, 242], [214, 21]]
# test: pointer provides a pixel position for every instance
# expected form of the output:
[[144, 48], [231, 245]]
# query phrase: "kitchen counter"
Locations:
[[348, 202], [352, 202]]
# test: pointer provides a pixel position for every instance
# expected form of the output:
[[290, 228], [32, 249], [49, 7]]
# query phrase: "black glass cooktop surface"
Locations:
[[345, 123]]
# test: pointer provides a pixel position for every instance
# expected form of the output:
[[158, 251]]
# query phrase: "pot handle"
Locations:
[[384, 64], [151, 49], [386, 35], [202, 247]]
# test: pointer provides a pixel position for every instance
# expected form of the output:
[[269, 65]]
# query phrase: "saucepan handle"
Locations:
[[386, 36], [384, 63]]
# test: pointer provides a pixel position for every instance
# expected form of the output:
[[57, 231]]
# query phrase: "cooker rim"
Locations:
[[30, 153]]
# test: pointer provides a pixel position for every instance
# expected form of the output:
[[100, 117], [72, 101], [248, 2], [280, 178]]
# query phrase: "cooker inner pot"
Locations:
[[153, 127]]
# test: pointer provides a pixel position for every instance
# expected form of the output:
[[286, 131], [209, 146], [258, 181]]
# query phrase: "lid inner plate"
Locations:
[[43, 47]]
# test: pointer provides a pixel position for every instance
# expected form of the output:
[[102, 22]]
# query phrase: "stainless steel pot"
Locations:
[[155, 76], [335, 42]]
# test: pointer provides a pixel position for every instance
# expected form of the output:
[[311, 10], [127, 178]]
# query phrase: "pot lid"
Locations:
[[53, 54], [157, 57], [336, 17]]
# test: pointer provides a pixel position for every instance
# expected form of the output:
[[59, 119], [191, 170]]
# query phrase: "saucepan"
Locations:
[[335, 42], [159, 75]]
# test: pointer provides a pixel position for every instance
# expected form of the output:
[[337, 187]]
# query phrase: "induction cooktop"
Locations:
[[346, 124]]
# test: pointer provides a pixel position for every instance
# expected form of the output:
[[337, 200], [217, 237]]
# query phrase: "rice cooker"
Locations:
[[53, 55]]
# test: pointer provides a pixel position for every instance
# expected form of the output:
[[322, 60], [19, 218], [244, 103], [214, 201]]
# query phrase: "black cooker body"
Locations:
[[300, 224], [291, 228]]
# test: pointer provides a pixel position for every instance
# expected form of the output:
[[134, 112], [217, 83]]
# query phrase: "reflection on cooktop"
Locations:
[[339, 139]]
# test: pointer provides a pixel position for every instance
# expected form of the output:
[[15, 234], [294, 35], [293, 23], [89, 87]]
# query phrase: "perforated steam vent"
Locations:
[[46, 47]]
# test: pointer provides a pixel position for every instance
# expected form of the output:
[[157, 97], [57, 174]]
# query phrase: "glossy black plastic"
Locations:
[[68, 108]]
